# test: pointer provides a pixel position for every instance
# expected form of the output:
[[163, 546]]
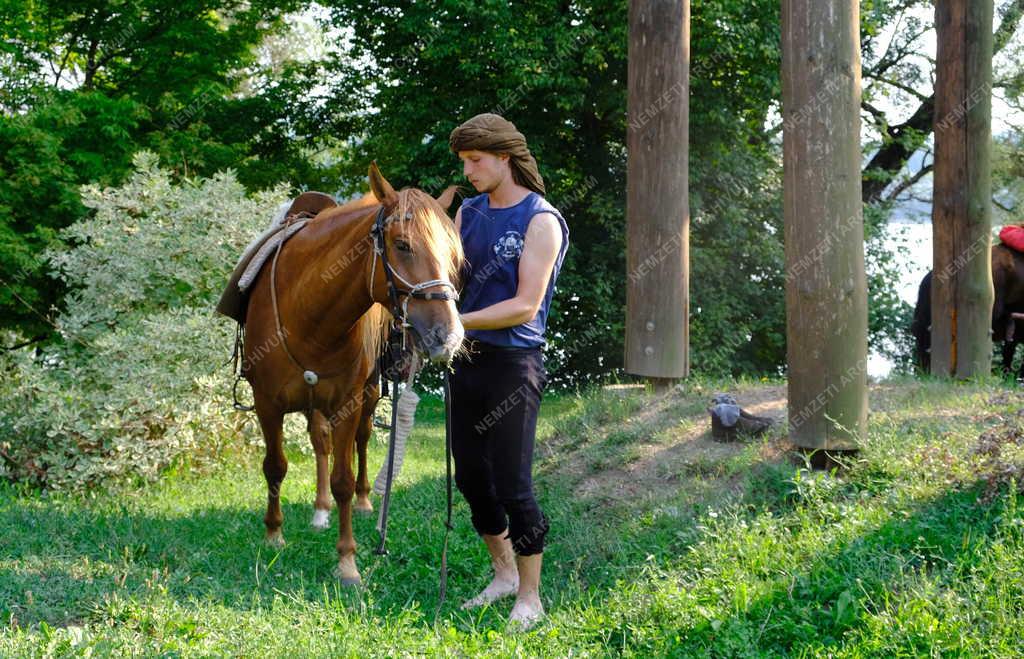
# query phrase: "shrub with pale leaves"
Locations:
[[140, 379]]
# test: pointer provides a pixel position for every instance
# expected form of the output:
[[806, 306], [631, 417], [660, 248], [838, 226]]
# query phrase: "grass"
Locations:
[[663, 544]]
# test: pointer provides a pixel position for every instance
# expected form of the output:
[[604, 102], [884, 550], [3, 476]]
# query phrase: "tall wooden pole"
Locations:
[[826, 290], [657, 198], [962, 292]]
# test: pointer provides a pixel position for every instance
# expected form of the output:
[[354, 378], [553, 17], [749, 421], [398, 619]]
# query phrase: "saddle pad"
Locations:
[[235, 296], [253, 269], [1013, 237]]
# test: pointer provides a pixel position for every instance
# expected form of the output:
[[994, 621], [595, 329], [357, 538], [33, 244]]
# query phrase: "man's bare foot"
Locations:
[[526, 611], [499, 587]]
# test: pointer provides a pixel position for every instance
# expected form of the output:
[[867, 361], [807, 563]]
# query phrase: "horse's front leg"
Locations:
[[320, 437], [343, 486], [275, 466]]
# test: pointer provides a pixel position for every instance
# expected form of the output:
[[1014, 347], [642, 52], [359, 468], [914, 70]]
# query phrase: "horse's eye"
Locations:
[[402, 246]]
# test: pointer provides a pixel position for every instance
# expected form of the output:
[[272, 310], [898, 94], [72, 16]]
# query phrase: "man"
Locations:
[[515, 242]]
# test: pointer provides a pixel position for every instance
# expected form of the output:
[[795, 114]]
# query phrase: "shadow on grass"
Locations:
[[844, 585], [62, 563], [59, 563]]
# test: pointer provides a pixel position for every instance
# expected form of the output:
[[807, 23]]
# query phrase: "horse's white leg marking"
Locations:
[[321, 519]]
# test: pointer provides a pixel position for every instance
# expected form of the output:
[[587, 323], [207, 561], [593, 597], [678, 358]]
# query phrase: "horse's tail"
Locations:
[[376, 323]]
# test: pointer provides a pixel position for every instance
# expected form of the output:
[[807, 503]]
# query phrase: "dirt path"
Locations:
[[667, 439]]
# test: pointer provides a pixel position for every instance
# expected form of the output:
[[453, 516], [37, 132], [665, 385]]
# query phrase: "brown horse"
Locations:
[[333, 300]]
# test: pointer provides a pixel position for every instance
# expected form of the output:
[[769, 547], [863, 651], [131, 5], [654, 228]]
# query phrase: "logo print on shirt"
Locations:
[[509, 246]]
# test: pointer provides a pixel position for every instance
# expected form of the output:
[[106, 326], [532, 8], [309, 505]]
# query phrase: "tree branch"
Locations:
[[998, 205], [898, 85], [909, 182], [1008, 25], [903, 140], [23, 344]]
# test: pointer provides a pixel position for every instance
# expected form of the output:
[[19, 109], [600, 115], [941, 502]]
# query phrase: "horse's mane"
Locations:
[[429, 228]]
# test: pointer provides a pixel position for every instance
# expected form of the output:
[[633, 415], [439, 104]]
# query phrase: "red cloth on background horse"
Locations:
[[1013, 237]]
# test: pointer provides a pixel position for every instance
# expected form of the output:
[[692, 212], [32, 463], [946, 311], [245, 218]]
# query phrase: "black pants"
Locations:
[[495, 398]]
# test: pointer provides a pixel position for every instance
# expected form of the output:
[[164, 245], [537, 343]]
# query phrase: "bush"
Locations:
[[140, 378]]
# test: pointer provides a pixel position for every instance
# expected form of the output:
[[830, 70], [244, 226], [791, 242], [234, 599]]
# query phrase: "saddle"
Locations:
[[729, 421], [234, 301]]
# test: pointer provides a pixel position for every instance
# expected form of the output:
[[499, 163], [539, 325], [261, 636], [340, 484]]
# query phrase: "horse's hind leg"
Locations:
[[320, 437], [363, 433], [275, 466]]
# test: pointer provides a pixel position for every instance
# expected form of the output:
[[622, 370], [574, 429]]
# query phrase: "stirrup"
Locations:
[[234, 394]]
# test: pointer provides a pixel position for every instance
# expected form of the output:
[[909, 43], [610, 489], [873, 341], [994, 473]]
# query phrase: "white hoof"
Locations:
[[321, 519], [274, 540]]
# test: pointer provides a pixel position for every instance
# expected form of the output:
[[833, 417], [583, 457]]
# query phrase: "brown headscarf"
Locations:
[[493, 133]]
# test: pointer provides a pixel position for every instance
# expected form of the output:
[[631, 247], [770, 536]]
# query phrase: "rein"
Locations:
[[400, 312]]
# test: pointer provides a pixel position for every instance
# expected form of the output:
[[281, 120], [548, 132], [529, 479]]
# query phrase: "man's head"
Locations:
[[491, 150], [484, 169]]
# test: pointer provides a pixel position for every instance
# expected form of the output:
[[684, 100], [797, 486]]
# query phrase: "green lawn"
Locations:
[[663, 543]]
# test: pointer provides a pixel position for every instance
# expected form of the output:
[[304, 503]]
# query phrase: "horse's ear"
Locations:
[[380, 187], [447, 197]]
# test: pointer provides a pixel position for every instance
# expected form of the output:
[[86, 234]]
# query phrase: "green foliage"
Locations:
[[95, 82], [1008, 179], [559, 73], [66, 140], [736, 280], [87, 84], [139, 377]]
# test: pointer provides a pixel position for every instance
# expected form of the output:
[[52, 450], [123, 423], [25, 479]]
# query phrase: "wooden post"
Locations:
[[962, 292], [826, 289], [657, 199]]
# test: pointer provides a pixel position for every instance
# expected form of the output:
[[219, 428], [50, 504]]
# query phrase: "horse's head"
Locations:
[[422, 247]]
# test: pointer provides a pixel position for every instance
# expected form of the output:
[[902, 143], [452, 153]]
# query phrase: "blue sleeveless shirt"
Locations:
[[492, 239]]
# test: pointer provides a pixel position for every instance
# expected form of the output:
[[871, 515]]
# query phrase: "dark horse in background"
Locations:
[[1008, 280]]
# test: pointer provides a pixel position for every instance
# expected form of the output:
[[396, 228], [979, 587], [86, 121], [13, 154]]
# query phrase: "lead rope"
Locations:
[[382, 520], [443, 587]]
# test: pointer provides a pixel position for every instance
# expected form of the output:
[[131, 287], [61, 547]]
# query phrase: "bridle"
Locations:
[[400, 311], [400, 296]]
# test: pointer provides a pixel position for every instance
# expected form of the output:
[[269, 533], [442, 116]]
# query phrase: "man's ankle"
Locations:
[[507, 576], [529, 596]]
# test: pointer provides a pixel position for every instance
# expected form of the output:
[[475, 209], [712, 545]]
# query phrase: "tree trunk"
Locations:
[[962, 292], [826, 289], [657, 197]]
